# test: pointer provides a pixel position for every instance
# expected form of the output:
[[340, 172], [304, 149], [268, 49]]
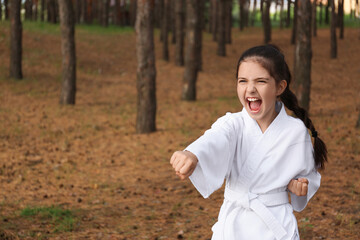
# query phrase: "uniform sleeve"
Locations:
[[214, 150], [307, 170]]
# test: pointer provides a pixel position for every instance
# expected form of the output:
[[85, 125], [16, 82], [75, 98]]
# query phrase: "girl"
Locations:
[[258, 151]]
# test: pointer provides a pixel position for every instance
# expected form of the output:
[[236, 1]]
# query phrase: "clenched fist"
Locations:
[[299, 186], [184, 163]]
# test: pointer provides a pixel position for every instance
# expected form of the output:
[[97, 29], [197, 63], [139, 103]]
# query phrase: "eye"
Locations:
[[241, 81], [261, 81]]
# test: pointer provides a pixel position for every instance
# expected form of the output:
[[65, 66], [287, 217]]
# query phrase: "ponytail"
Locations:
[[320, 152]]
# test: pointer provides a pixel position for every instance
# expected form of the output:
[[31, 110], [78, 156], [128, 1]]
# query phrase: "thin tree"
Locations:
[[253, 15], [200, 8], [341, 18], [191, 55], [358, 122], [281, 13], [15, 40], [320, 12], [313, 19], [303, 54], [6, 4], [0, 10], [179, 21], [35, 10], [221, 32], [67, 22], [215, 20], [241, 14], [333, 44], [165, 30], [328, 5], [42, 12], [267, 21], [228, 21], [146, 71], [294, 30], [288, 18]]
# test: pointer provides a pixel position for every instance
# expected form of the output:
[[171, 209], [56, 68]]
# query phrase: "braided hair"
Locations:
[[270, 57]]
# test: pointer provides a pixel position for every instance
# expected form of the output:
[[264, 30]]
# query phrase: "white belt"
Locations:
[[259, 203]]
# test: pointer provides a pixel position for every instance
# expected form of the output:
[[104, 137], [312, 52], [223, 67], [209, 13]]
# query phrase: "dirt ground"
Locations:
[[118, 184]]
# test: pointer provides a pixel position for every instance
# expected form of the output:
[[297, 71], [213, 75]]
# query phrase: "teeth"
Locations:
[[252, 99]]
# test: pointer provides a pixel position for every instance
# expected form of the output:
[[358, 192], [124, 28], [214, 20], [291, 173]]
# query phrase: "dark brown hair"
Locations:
[[270, 57]]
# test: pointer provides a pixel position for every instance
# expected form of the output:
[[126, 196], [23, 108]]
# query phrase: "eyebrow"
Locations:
[[259, 78]]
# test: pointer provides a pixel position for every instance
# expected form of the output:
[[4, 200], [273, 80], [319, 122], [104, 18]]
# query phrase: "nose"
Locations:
[[251, 88]]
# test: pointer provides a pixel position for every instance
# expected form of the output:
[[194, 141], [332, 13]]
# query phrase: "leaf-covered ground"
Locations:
[[87, 160]]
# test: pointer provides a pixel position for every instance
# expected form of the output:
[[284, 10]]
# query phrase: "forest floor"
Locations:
[[81, 172]]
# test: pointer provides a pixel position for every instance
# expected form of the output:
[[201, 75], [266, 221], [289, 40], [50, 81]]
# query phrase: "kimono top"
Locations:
[[257, 167]]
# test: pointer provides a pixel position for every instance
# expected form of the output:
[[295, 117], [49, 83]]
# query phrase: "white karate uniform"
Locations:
[[257, 167]]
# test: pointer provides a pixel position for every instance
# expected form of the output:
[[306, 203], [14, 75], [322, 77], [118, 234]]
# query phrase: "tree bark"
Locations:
[[241, 14], [67, 23], [0, 10], [42, 12], [294, 30], [341, 17], [221, 50], [327, 11], [133, 9], [333, 44], [28, 9], [165, 30], [35, 10], [200, 7], [288, 18], [321, 12], [105, 13], [281, 13], [228, 21], [313, 19], [267, 22], [253, 15], [215, 20], [146, 71], [179, 21], [6, 5], [172, 21], [303, 54], [191, 62], [15, 40]]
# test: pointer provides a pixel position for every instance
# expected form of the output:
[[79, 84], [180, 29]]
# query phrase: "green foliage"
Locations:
[[98, 29], [62, 219]]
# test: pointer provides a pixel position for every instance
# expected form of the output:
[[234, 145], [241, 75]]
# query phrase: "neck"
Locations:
[[265, 123]]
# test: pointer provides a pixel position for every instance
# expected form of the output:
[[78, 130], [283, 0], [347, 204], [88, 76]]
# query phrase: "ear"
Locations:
[[281, 86]]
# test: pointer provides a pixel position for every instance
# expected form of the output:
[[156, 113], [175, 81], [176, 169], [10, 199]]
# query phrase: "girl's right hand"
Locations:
[[184, 163]]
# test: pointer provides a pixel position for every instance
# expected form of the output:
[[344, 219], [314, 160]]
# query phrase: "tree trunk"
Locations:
[[35, 10], [294, 30], [281, 14], [210, 9], [313, 18], [221, 50], [28, 9], [191, 62], [146, 71], [241, 14], [15, 40], [6, 13], [267, 22], [215, 22], [84, 17], [228, 21], [67, 23], [200, 7], [253, 15], [341, 17], [133, 9], [288, 18], [0, 10], [51, 11], [179, 21], [333, 45], [165, 30], [327, 11], [77, 11], [105, 13], [303, 54], [172, 22], [321, 12]]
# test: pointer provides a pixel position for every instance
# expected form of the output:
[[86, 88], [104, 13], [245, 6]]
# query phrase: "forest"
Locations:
[[96, 95]]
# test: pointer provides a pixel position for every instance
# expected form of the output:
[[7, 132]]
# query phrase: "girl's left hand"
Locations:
[[299, 186]]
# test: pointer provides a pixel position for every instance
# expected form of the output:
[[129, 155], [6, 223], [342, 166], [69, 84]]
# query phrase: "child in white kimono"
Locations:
[[261, 152]]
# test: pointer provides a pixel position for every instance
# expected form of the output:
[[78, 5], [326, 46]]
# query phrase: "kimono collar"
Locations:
[[279, 107]]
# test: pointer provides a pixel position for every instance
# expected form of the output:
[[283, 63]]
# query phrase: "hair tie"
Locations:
[[314, 134]]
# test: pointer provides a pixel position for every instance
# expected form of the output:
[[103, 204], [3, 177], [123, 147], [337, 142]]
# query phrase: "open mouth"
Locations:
[[254, 104]]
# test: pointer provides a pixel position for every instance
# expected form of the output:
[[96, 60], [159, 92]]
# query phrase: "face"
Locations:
[[258, 91]]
